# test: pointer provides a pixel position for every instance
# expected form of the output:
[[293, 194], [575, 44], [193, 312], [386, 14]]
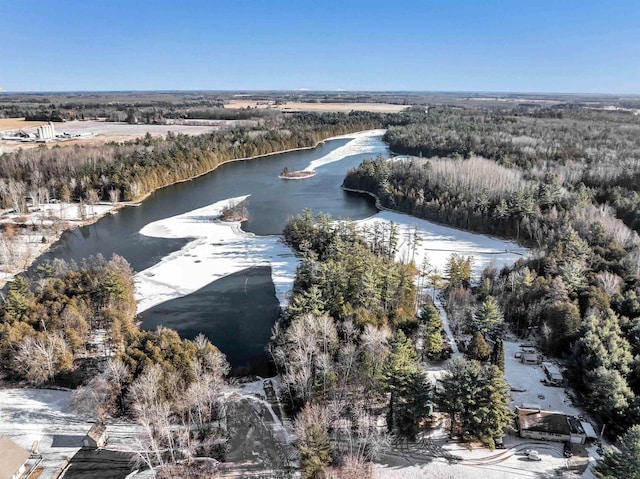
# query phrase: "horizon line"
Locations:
[[307, 91]]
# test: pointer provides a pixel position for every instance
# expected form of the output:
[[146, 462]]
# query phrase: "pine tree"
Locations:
[[623, 460], [488, 316], [460, 392], [403, 378], [315, 452], [433, 331], [412, 405], [478, 348], [497, 355], [493, 414]]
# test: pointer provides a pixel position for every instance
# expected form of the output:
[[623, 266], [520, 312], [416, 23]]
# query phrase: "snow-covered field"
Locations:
[[439, 242], [218, 249]]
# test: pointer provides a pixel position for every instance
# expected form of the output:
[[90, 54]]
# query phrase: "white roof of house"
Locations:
[[13, 457], [588, 429]]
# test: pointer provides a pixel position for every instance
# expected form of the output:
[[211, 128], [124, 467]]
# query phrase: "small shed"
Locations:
[[529, 358], [96, 437], [13, 459], [553, 374]]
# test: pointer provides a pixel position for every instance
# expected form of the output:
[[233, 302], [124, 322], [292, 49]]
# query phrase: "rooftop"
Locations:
[[13, 457], [544, 421]]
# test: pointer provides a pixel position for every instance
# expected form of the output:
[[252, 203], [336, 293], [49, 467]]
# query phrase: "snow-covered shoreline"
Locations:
[[46, 223], [438, 242], [360, 143], [217, 249]]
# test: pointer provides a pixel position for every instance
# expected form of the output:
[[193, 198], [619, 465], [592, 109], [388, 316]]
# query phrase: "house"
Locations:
[[549, 426], [96, 437], [13, 459], [554, 376]]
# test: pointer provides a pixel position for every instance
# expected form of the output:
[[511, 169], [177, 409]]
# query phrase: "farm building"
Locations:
[[553, 374], [550, 426], [13, 459], [96, 437]]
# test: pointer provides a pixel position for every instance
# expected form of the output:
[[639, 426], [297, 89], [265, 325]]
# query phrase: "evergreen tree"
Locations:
[[622, 460], [493, 415], [488, 316], [476, 399], [460, 392], [433, 331], [478, 348], [458, 270], [403, 378], [412, 405], [497, 355], [315, 452], [311, 425]]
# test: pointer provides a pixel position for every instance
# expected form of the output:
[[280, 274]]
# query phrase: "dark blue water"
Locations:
[[237, 312]]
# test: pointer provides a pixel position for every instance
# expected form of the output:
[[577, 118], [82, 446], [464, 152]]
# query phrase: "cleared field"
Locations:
[[7, 124], [300, 106], [103, 132]]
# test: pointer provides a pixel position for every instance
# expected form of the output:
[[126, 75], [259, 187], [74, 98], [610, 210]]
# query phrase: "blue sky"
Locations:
[[485, 45]]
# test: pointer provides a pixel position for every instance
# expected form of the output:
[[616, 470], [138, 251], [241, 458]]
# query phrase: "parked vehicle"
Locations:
[[568, 449], [534, 456]]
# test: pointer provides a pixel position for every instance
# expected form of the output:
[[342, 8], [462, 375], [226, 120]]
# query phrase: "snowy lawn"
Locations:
[[529, 377], [44, 415]]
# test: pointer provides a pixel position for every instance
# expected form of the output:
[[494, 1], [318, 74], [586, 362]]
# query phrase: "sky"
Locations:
[[560, 46]]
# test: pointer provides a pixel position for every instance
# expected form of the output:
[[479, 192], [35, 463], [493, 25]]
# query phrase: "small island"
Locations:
[[295, 175], [235, 211]]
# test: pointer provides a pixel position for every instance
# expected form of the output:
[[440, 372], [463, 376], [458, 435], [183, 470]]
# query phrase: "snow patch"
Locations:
[[438, 242], [361, 142], [218, 249]]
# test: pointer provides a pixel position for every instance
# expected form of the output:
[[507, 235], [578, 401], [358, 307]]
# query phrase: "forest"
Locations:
[[346, 351], [553, 180], [74, 325], [129, 171]]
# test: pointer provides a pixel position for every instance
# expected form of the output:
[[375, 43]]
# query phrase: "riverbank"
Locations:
[[25, 244], [27, 236]]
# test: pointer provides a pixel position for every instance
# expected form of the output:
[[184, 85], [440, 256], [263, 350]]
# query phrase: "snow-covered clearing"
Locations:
[[439, 242], [36, 229], [361, 142], [527, 379], [218, 249]]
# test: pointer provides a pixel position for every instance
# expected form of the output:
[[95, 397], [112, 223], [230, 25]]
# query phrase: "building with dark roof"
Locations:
[[549, 426]]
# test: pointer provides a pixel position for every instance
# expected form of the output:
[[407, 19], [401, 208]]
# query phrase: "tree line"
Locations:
[[549, 189], [131, 170]]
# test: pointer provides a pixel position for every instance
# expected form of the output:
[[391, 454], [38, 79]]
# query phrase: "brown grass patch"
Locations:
[[18, 124]]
